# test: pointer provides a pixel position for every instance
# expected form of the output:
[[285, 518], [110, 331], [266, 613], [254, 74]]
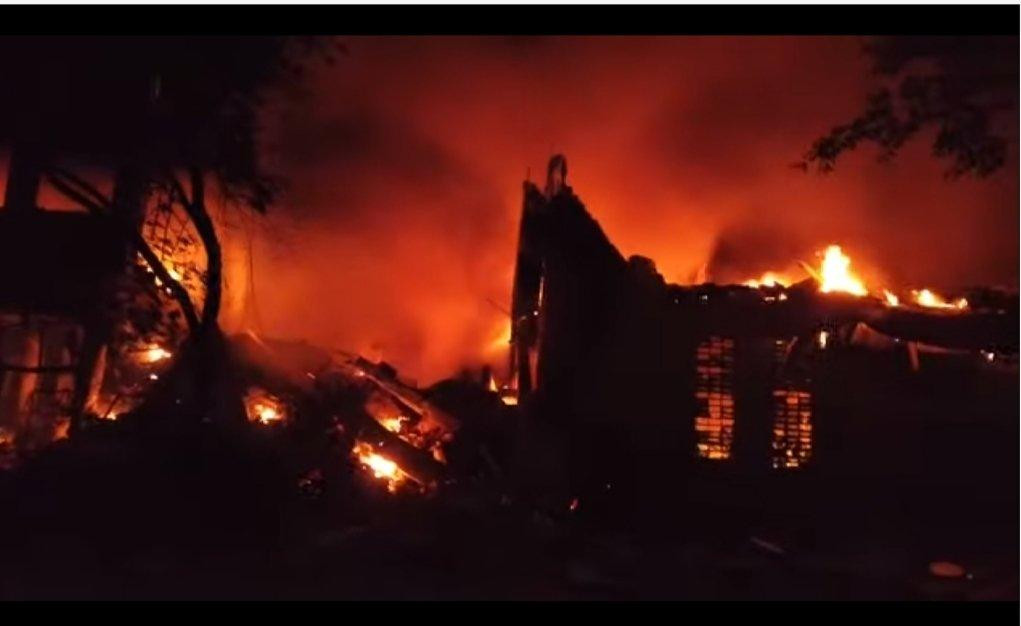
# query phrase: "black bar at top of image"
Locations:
[[512, 20]]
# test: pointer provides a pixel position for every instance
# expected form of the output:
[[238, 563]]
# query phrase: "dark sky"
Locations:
[[405, 160]]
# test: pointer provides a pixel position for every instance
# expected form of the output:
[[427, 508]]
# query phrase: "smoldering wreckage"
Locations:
[[631, 403]]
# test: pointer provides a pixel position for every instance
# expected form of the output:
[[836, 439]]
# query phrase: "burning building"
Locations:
[[52, 310], [657, 380], [86, 324]]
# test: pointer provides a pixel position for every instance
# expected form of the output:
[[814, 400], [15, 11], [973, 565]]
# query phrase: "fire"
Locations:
[[928, 298], [769, 279], [393, 424], [380, 466], [264, 408], [502, 339], [823, 339], [155, 354], [62, 429], [836, 275], [509, 396]]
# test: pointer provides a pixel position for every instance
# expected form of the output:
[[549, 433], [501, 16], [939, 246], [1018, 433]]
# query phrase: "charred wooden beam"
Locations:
[[417, 464]]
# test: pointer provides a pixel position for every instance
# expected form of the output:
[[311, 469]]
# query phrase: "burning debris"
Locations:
[[929, 299], [834, 275], [398, 436], [380, 466], [264, 408]]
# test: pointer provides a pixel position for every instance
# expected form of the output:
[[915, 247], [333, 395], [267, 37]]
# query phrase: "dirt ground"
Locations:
[[203, 520]]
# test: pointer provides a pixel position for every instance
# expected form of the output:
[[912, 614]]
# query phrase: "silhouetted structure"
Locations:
[[651, 381]]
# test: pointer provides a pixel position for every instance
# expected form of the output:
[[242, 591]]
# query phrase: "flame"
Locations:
[[393, 424], [509, 396], [823, 339], [155, 354], [263, 407], [492, 384], [769, 279], [380, 466], [836, 273], [62, 429], [502, 340], [928, 298]]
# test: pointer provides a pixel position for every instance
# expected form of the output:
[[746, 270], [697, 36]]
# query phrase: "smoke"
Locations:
[[404, 163]]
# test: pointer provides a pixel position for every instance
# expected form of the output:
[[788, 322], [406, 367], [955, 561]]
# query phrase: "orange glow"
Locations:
[[823, 339], [792, 427], [62, 429], [836, 275], [109, 407], [263, 407], [714, 421], [509, 396], [769, 279], [657, 176], [929, 299], [380, 466], [393, 424], [155, 353], [502, 340]]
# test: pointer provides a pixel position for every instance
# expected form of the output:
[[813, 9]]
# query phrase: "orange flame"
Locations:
[[928, 298], [836, 274], [264, 408], [155, 354], [393, 424], [769, 279], [380, 466]]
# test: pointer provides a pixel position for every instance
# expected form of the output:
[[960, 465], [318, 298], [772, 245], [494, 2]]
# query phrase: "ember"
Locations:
[[155, 354], [380, 466], [264, 408], [509, 396], [393, 424]]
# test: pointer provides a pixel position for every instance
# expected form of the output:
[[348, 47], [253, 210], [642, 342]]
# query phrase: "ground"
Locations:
[[113, 518]]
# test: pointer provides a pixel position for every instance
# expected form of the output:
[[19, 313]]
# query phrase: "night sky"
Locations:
[[405, 158]]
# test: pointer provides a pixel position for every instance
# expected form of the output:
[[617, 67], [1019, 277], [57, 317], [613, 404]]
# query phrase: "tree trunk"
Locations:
[[199, 215], [219, 392]]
